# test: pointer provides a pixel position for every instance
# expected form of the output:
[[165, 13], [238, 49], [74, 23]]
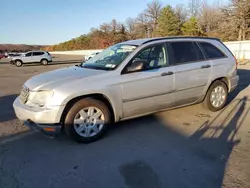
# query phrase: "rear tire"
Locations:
[[216, 97], [44, 62], [87, 120], [18, 63]]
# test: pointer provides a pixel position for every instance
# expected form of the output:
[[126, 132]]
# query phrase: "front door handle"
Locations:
[[205, 66], [167, 73]]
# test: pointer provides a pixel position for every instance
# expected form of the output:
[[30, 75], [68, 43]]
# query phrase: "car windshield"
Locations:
[[109, 58]]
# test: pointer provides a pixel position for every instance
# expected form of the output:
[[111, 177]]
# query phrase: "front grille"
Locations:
[[24, 94]]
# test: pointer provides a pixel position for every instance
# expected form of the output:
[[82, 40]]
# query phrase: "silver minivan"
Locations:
[[128, 80]]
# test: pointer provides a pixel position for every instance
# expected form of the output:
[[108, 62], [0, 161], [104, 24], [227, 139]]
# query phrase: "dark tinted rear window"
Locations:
[[211, 51], [184, 52], [37, 53]]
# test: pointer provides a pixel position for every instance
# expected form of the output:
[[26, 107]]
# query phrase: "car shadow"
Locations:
[[243, 83], [190, 159], [7, 112]]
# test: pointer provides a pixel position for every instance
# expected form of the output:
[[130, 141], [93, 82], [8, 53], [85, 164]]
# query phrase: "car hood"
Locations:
[[53, 79]]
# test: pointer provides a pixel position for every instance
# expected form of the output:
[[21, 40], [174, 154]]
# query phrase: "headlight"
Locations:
[[39, 98]]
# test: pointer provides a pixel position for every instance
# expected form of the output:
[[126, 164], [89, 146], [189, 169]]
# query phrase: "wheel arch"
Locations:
[[18, 60], [97, 96], [223, 79], [44, 59]]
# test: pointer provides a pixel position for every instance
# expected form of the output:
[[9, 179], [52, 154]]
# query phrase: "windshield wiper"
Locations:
[[96, 67], [79, 65]]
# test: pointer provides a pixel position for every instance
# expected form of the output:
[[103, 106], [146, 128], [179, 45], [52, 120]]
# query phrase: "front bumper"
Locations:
[[49, 130], [44, 119]]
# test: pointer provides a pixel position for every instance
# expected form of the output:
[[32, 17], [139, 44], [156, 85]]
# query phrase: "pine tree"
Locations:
[[169, 24], [190, 27]]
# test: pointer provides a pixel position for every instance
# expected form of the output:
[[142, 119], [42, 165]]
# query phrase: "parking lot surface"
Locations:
[[187, 147]]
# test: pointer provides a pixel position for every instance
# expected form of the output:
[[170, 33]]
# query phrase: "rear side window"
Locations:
[[211, 51], [37, 53], [184, 52]]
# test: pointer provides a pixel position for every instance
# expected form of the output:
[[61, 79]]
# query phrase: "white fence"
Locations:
[[241, 50], [76, 52]]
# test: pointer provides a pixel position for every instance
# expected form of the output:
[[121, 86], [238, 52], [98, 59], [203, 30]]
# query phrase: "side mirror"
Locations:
[[135, 66]]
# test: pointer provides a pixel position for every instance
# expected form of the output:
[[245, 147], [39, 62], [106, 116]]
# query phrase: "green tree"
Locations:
[[168, 24], [190, 27]]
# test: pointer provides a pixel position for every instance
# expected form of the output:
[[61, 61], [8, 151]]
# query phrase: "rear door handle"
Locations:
[[167, 73], [205, 66]]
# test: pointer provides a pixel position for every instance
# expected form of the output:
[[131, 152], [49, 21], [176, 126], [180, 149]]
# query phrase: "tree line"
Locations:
[[229, 22], [19, 47]]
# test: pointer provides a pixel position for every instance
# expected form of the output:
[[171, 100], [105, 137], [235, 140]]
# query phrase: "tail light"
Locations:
[[236, 62]]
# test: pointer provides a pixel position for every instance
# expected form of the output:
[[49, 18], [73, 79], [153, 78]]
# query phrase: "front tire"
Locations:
[[87, 120], [216, 97], [18, 63]]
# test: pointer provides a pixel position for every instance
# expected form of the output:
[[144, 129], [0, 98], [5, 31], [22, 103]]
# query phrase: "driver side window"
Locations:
[[152, 57], [28, 54]]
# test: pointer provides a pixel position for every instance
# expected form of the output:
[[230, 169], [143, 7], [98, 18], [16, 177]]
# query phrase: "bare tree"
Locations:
[[195, 7], [115, 26], [153, 12], [241, 13], [130, 26], [237, 15], [106, 28], [143, 25], [181, 13], [209, 18]]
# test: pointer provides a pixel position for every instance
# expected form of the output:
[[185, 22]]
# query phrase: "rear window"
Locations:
[[37, 53], [184, 52], [211, 51]]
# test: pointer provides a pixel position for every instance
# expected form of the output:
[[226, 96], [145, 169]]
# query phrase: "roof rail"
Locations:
[[179, 37]]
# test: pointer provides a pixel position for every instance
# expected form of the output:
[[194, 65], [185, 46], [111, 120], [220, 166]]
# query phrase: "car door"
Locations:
[[148, 86], [27, 57], [36, 56], [192, 71]]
